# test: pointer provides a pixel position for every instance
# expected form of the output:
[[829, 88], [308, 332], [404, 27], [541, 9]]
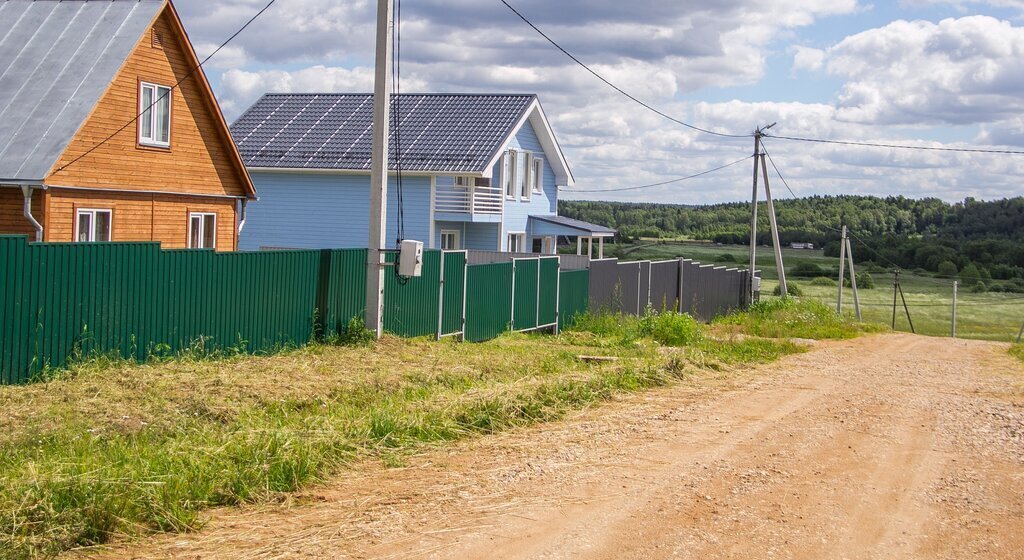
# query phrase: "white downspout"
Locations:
[[241, 216], [27, 211]]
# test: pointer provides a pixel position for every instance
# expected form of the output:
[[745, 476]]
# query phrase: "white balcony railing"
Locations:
[[469, 200]]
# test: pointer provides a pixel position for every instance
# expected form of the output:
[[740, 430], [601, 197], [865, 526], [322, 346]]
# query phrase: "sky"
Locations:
[[944, 73]]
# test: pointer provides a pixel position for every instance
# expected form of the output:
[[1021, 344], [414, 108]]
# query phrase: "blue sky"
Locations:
[[932, 72]]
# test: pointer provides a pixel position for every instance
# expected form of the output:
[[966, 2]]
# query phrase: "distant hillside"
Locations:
[[914, 233]]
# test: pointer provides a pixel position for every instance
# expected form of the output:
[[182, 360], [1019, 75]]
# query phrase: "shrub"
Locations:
[[792, 288], [356, 334], [864, 281], [726, 257], [978, 288], [823, 281], [947, 269], [806, 269], [970, 276], [671, 328]]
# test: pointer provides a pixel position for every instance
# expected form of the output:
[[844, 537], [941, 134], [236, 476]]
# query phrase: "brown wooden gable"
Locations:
[[201, 159]]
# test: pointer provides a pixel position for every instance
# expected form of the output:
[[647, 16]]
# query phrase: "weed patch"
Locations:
[[1017, 350], [795, 318]]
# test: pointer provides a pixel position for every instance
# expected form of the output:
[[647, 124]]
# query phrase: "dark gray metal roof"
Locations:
[[589, 228], [444, 133], [56, 60]]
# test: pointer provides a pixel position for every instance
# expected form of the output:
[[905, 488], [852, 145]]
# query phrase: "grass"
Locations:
[[795, 318], [110, 448], [987, 316], [1017, 350]]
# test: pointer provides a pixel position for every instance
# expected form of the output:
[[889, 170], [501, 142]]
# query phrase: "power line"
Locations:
[[615, 87], [720, 167], [169, 91], [777, 172], [896, 146]]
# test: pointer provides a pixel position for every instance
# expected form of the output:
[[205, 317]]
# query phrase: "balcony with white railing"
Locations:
[[470, 203]]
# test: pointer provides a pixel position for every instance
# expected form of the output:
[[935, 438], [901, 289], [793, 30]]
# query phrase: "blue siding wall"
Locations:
[[517, 212], [318, 211], [474, 236]]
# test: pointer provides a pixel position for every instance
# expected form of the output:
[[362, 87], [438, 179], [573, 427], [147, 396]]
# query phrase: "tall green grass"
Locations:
[[796, 318]]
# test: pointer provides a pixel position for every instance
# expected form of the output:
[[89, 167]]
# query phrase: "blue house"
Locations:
[[477, 172]]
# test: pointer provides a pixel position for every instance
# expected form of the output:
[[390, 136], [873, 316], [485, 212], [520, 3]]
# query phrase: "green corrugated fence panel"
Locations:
[[524, 300], [488, 300], [410, 304], [454, 289], [346, 289], [547, 298], [573, 297]]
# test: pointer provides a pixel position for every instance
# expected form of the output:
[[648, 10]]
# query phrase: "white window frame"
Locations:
[[520, 237], [538, 175], [547, 245], [152, 139], [524, 187], [508, 174], [465, 181], [92, 223], [202, 228], [456, 243]]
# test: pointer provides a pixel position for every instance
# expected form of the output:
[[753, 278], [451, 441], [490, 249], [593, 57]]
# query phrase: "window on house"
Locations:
[[92, 225], [450, 239], [517, 242], [154, 115], [523, 171], [508, 173], [538, 175], [464, 182], [202, 230]]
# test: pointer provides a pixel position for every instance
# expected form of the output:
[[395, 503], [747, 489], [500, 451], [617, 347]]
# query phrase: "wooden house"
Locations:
[[109, 130]]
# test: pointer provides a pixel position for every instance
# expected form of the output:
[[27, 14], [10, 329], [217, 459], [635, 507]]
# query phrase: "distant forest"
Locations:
[[982, 239]]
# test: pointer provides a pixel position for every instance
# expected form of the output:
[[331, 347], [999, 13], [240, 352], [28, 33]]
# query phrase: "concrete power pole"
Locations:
[[760, 166], [753, 213], [779, 265], [842, 271], [379, 172]]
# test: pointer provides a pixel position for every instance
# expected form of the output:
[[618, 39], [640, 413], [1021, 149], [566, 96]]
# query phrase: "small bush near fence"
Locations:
[[791, 288], [823, 281]]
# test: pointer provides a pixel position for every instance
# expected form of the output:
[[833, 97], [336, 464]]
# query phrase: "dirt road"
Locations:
[[889, 446]]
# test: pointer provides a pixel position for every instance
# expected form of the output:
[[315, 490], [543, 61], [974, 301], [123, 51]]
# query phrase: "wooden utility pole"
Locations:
[[952, 327], [379, 172]]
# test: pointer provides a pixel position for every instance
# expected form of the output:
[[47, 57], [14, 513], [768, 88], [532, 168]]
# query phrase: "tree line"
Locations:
[[983, 240]]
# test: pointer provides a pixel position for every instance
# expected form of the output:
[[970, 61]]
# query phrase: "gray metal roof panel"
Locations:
[[448, 133], [56, 62], [576, 224]]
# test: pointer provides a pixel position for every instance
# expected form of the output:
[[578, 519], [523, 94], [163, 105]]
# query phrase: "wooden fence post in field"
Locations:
[[952, 327]]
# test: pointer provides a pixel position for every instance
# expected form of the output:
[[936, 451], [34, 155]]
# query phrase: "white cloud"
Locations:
[[958, 71]]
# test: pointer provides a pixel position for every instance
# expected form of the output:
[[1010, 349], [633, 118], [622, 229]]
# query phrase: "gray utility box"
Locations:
[[410, 258]]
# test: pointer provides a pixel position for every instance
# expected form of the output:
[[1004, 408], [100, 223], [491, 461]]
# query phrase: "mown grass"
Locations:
[[111, 448]]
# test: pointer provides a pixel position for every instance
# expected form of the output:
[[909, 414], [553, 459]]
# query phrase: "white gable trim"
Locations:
[[552, 151]]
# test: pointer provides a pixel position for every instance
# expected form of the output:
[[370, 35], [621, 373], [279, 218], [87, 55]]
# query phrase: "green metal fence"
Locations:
[[138, 301]]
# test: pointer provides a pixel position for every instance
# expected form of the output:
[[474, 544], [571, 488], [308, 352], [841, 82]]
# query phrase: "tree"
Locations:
[[970, 275], [947, 269]]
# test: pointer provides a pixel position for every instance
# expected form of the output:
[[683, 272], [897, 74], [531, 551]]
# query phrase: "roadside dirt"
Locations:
[[889, 446]]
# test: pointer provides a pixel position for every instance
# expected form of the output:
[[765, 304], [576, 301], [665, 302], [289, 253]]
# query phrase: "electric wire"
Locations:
[[777, 172], [169, 91], [680, 179], [615, 87], [396, 113], [895, 146]]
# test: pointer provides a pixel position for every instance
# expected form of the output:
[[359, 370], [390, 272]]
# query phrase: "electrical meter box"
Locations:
[[757, 283], [410, 258]]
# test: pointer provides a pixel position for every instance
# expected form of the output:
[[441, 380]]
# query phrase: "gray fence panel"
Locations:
[[644, 289], [665, 285], [565, 262]]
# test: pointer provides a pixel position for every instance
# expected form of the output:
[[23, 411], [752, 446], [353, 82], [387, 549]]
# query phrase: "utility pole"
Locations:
[[853, 279], [379, 172], [761, 167], [842, 271], [779, 265], [952, 328], [753, 212], [897, 289]]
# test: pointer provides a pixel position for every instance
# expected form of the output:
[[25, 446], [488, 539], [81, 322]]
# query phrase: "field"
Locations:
[[986, 316]]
